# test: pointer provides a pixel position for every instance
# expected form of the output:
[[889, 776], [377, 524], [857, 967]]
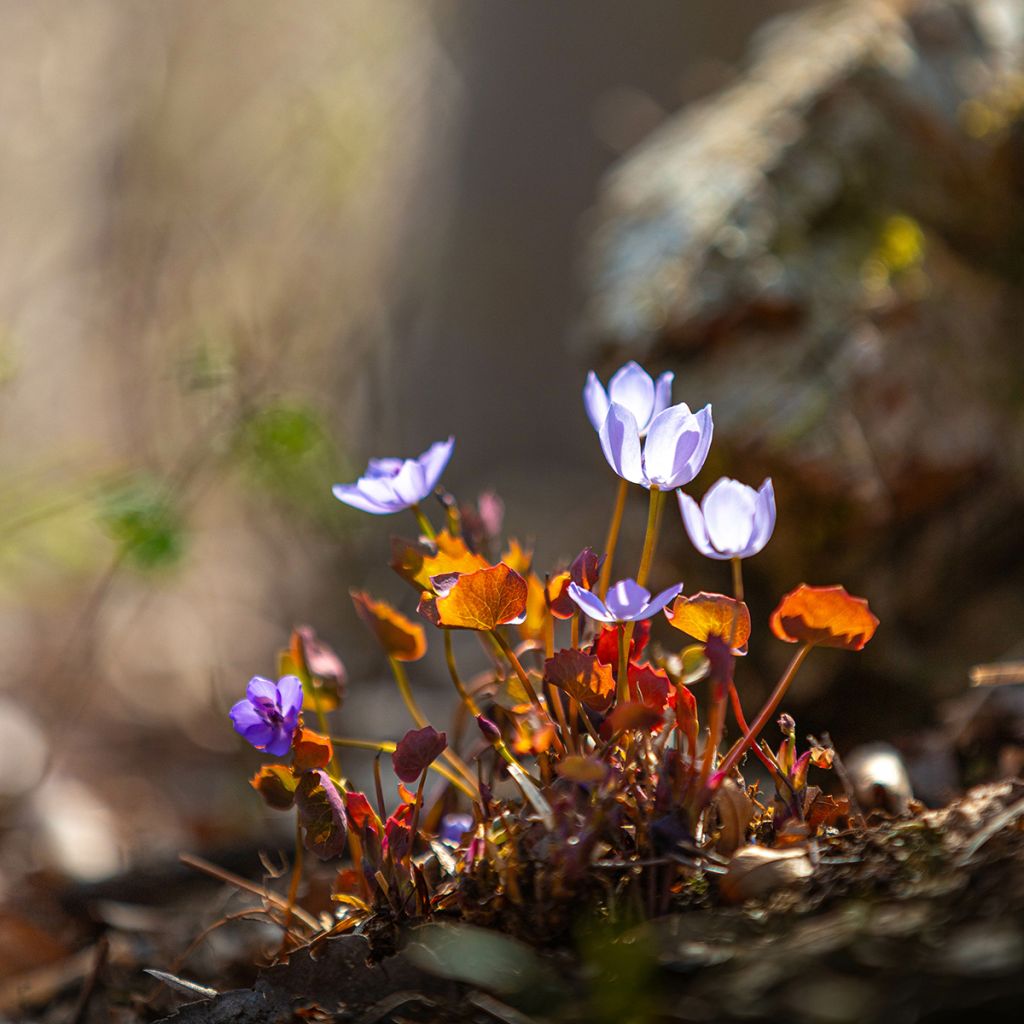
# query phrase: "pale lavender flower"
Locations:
[[631, 386], [733, 520], [269, 714], [671, 455], [627, 601], [454, 827], [391, 485]]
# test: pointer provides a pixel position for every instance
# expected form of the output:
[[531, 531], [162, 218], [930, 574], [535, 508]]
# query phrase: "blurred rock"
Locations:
[[829, 251]]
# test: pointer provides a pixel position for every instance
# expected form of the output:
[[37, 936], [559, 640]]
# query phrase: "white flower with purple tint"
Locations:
[[626, 601], [392, 485], [733, 520], [631, 387], [672, 453], [269, 714]]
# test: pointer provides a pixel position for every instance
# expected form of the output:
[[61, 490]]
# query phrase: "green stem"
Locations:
[[612, 540], [421, 517], [651, 536], [517, 667]]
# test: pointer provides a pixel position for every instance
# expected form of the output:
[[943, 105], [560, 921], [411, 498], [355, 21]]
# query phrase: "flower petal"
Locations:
[[385, 468], [261, 688], [244, 716], [632, 387], [671, 442], [626, 600], [729, 515], [290, 690], [434, 460], [764, 517], [595, 400], [354, 495], [590, 603], [281, 741], [410, 486], [662, 393], [620, 442], [693, 520], [670, 594], [259, 735]]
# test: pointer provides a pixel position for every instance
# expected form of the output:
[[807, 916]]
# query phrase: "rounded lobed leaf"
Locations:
[[825, 617], [583, 677], [704, 615], [416, 751], [481, 600]]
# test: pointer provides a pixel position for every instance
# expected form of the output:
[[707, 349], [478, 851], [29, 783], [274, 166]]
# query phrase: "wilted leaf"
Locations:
[[756, 871], [276, 784], [321, 814], [577, 768], [416, 751], [481, 600], [735, 810], [825, 811], [557, 595], [825, 616], [583, 677], [703, 614], [315, 657], [629, 716], [312, 750], [401, 638]]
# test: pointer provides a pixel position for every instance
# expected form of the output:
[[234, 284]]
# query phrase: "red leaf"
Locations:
[[582, 677], [416, 751]]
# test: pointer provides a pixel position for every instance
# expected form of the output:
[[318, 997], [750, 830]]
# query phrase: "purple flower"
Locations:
[[391, 485], [627, 601], [454, 827], [269, 715], [631, 387], [733, 520], [673, 452]]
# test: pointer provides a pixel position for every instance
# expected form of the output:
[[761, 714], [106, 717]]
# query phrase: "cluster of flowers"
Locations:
[[599, 743]]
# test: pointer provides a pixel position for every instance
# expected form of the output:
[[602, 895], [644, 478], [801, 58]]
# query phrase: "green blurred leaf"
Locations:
[[141, 518]]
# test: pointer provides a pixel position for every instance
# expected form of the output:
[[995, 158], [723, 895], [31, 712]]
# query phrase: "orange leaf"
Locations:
[[583, 677], [825, 616], [416, 562], [532, 627], [518, 558], [481, 600], [401, 638], [702, 615], [557, 596], [312, 750]]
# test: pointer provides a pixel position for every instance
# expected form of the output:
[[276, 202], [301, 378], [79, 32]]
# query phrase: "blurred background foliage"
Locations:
[[247, 246]]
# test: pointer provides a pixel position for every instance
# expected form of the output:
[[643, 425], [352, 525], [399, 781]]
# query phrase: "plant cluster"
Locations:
[[577, 765]]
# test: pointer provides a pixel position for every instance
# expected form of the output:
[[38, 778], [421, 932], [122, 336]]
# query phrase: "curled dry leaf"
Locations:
[[321, 814], [276, 784], [401, 638], [518, 558], [416, 751], [583, 677], [704, 615], [321, 671], [824, 616], [755, 871], [481, 600], [735, 811]]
